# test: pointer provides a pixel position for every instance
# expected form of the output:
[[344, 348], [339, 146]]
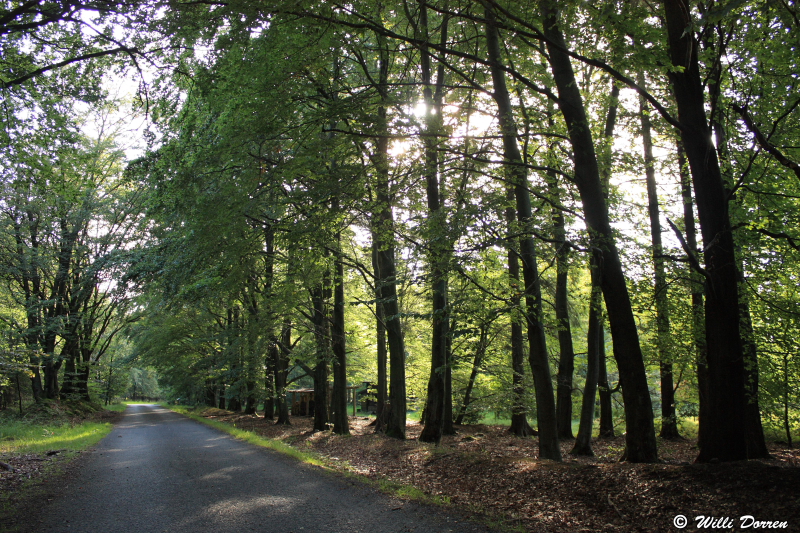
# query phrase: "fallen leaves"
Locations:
[[484, 469]]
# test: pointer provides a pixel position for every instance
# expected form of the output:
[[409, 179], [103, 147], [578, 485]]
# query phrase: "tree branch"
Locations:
[[763, 142], [37, 72]]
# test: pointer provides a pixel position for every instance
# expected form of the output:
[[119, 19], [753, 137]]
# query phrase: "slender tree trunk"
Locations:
[[438, 241], [696, 281], [321, 369], [754, 431], [519, 411], [387, 275], [787, 388], [723, 437], [449, 421], [604, 161], [275, 378], [606, 393], [566, 359], [583, 444], [222, 399], [640, 435], [85, 370], [538, 356], [382, 410], [341, 424], [669, 419], [480, 351], [210, 398], [281, 363], [269, 385]]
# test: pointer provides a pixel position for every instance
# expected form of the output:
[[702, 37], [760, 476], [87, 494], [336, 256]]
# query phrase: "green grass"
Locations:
[[117, 407], [25, 437], [249, 436], [402, 491], [44, 427]]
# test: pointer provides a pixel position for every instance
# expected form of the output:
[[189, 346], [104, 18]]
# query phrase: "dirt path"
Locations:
[[161, 472]]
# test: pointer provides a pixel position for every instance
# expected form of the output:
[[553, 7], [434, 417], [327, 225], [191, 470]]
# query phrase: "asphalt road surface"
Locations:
[[159, 471]]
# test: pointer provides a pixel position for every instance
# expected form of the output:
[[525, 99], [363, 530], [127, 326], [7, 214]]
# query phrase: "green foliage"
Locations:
[[264, 148]]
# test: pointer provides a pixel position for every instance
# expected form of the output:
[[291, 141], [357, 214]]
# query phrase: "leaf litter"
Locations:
[[489, 473]]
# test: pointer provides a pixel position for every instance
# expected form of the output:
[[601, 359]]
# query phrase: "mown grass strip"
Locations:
[[252, 438]]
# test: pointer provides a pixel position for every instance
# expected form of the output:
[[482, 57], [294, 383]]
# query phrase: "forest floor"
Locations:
[[491, 474]]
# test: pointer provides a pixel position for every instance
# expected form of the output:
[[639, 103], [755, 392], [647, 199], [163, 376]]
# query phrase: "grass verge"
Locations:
[[20, 437], [40, 446], [399, 490], [249, 436]]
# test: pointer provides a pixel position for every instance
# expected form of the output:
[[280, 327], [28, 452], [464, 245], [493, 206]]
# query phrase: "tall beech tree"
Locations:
[[669, 422], [723, 435], [518, 177], [436, 409], [640, 436]]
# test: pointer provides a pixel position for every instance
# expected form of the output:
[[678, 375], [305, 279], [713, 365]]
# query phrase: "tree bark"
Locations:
[[754, 431], [669, 419], [322, 338], [519, 411], [537, 354], [583, 443], [341, 424], [723, 437], [640, 435], [696, 288], [386, 275], [281, 362], [382, 410], [480, 351], [566, 359], [438, 243]]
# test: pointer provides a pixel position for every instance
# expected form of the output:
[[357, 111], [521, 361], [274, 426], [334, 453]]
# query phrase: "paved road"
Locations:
[[161, 472]]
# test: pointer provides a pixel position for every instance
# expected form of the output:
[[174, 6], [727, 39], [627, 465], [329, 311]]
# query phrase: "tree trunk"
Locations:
[[386, 275], [537, 355], [341, 424], [519, 411], [754, 431], [438, 243], [566, 359], [723, 437], [640, 435], [382, 410], [480, 351], [669, 419], [322, 338], [222, 401], [449, 427], [210, 397], [269, 385], [696, 281], [583, 444], [281, 358], [605, 392], [604, 161]]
